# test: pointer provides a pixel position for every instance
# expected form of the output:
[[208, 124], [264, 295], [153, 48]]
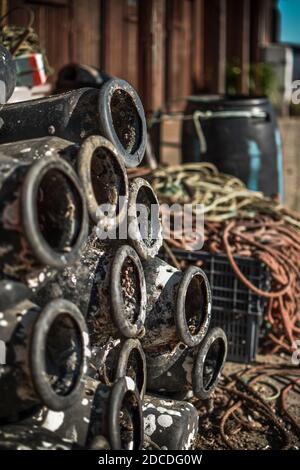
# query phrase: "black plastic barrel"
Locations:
[[73, 76], [239, 135]]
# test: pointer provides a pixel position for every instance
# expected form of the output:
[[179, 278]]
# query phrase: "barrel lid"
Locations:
[[229, 101]]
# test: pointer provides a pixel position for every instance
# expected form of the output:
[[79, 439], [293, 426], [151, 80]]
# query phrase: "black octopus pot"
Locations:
[[107, 283], [45, 357], [120, 358], [7, 76], [105, 416], [31, 437], [178, 306], [43, 218], [78, 282], [119, 306], [11, 293], [169, 424], [115, 111], [144, 225], [99, 166], [190, 371]]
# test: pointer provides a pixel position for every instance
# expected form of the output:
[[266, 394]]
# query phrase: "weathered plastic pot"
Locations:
[[115, 112], [169, 424], [118, 302], [178, 306], [194, 370], [11, 293], [31, 437], [108, 286], [78, 282], [73, 76], [144, 225], [112, 413], [46, 354], [119, 358], [99, 166], [7, 76], [43, 217], [99, 443]]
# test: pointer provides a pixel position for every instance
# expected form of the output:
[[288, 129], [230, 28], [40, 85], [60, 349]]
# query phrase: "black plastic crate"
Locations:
[[235, 308]]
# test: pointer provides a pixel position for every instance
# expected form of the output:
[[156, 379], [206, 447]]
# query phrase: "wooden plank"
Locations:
[[215, 45], [120, 39], [261, 31], [238, 40], [197, 53], [178, 53], [85, 32], [185, 49], [289, 128], [130, 52], [152, 54], [112, 52]]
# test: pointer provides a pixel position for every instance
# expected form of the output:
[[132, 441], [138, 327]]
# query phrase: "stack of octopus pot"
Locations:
[[103, 345]]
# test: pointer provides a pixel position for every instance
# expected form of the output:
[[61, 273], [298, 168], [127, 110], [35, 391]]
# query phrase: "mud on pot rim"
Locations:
[[42, 338], [183, 309], [30, 214], [132, 153], [204, 382], [150, 247], [124, 394], [127, 328], [88, 156]]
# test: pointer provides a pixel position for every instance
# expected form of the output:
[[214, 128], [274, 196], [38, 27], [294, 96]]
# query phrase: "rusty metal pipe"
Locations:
[[144, 225], [46, 352], [169, 424], [99, 166], [178, 306], [195, 370], [43, 217], [115, 112]]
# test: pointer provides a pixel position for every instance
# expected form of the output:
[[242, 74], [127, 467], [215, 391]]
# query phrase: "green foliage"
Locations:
[[261, 79]]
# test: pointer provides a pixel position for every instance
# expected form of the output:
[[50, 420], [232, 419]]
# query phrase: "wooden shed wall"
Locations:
[[167, 49]]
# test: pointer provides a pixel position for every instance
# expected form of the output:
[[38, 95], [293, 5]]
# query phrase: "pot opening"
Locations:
[[213, 363], [126, 120], [107, 177], [135, 368], [195, 302], [131, 289], [129, 420], [64, 354], [148, 228], [59, 211]]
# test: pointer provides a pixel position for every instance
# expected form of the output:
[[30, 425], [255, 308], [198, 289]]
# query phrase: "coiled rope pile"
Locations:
[[20, 40], [241, 222]]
